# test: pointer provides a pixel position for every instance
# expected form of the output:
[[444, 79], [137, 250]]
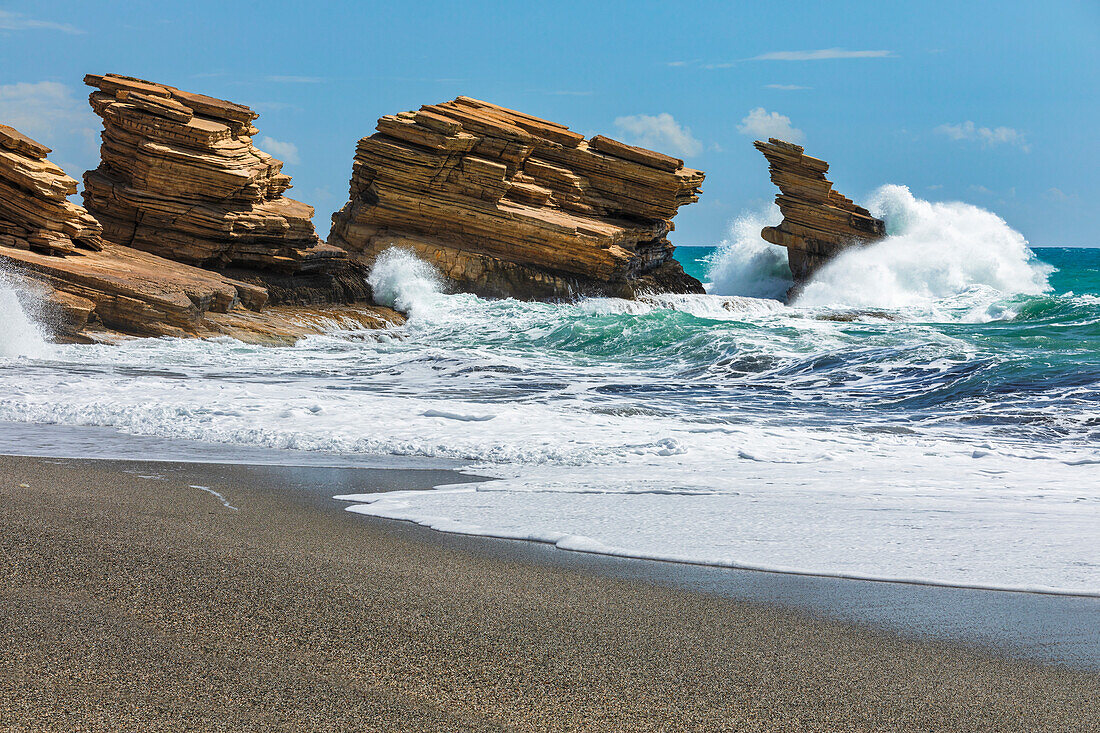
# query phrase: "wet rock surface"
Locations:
[[818, 223]]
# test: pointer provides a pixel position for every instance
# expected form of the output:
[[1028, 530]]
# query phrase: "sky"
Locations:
[[992, 103]]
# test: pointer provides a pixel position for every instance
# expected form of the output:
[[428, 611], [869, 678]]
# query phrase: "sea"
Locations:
[[926, 409]]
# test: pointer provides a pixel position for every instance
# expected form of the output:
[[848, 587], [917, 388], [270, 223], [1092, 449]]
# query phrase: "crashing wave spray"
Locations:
[[19, 334], [744, 264], [933, 252], [402, 281]]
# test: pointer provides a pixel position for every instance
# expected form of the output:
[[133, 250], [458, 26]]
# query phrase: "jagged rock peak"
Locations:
[[508, 204], [817, 222], [181, 178], [35, 211]]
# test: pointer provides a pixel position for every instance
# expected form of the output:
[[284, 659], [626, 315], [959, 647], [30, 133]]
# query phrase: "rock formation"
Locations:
[[35, 212], [506, 204], [180, 178], [86, 287], [817, 221]]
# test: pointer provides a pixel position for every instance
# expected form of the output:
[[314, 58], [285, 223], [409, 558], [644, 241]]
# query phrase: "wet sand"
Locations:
[[133, 601]]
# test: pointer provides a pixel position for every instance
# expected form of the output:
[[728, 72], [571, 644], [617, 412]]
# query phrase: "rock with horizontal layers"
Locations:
[[85, 288], [180, 178], [509, 205], [818, 222], [35, 211], [121, 291]]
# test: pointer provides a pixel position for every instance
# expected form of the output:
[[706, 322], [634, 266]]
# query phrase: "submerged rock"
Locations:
[[509, 205], [818, 222]]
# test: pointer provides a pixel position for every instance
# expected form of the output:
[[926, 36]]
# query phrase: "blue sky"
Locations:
[[996, 104]]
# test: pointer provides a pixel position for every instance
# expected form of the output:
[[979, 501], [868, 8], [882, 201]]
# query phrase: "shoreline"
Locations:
[[615, 552], [138, 598], [959, 614]]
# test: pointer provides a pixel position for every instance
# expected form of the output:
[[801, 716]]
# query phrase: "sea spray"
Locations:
[[677, 427], [744, 264], [936, 255], [20, 335], [402, 281]]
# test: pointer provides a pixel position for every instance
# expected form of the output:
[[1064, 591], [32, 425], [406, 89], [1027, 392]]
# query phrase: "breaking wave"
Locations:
[[20, 334], [946, 254], [744, 264], [401, 281]]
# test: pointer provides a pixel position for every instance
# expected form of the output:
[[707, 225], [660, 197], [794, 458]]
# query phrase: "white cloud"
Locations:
[[821, 54], [987, 136], [1057, 194], [935, 187], [763, 124], [660, 132], [295, 79], [786, 87], [10, 21], [979, 190], [50, 113], [287, 152]]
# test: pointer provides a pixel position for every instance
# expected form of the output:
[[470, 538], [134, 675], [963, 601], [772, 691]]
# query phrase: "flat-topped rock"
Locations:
[[506, 204], [180, 177], [818, 223], [121, 291]]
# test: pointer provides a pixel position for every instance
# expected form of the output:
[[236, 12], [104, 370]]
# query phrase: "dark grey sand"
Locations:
[[133, 603]]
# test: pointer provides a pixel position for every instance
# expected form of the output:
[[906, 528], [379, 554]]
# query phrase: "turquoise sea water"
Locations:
[[925, 408]]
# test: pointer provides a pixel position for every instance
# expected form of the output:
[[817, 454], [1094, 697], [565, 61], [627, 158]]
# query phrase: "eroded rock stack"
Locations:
[[817, 222], [35, 212], [83, 287], [506, 204], [181, 178]]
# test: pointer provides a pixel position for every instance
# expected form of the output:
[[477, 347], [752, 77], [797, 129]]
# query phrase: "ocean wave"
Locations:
[[939, 259]]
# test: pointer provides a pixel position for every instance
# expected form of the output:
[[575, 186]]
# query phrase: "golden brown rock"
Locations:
[[506, 204], [181, 178], [110, 289], [121, 290], [35, 212], [817, 221]]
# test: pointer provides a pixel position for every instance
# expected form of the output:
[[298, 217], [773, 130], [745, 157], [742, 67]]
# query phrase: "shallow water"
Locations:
[[926, 409]]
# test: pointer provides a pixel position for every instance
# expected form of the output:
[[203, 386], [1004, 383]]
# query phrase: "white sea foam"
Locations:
[[937, 257], [402, 281], [744, 264], [20, 335], [682, 427]]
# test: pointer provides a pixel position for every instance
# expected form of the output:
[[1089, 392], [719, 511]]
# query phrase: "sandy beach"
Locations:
[[134, 601]]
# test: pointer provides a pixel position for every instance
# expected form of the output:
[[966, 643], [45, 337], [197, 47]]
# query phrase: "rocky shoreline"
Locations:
[[186, 230], [509, 205], [818, 222]]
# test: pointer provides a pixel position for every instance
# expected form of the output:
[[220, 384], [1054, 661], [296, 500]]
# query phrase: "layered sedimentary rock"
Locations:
[[506, 204], [35, 212], [121, 290], [180, 178], [81, 286], [817, 222]]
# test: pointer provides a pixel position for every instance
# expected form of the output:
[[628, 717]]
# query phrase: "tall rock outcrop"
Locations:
[[84, 287], [35, 211], [180, 178], [817, 221], [506, 204]]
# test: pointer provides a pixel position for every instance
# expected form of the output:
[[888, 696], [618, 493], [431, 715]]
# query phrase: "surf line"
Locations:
[[222, 499]]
